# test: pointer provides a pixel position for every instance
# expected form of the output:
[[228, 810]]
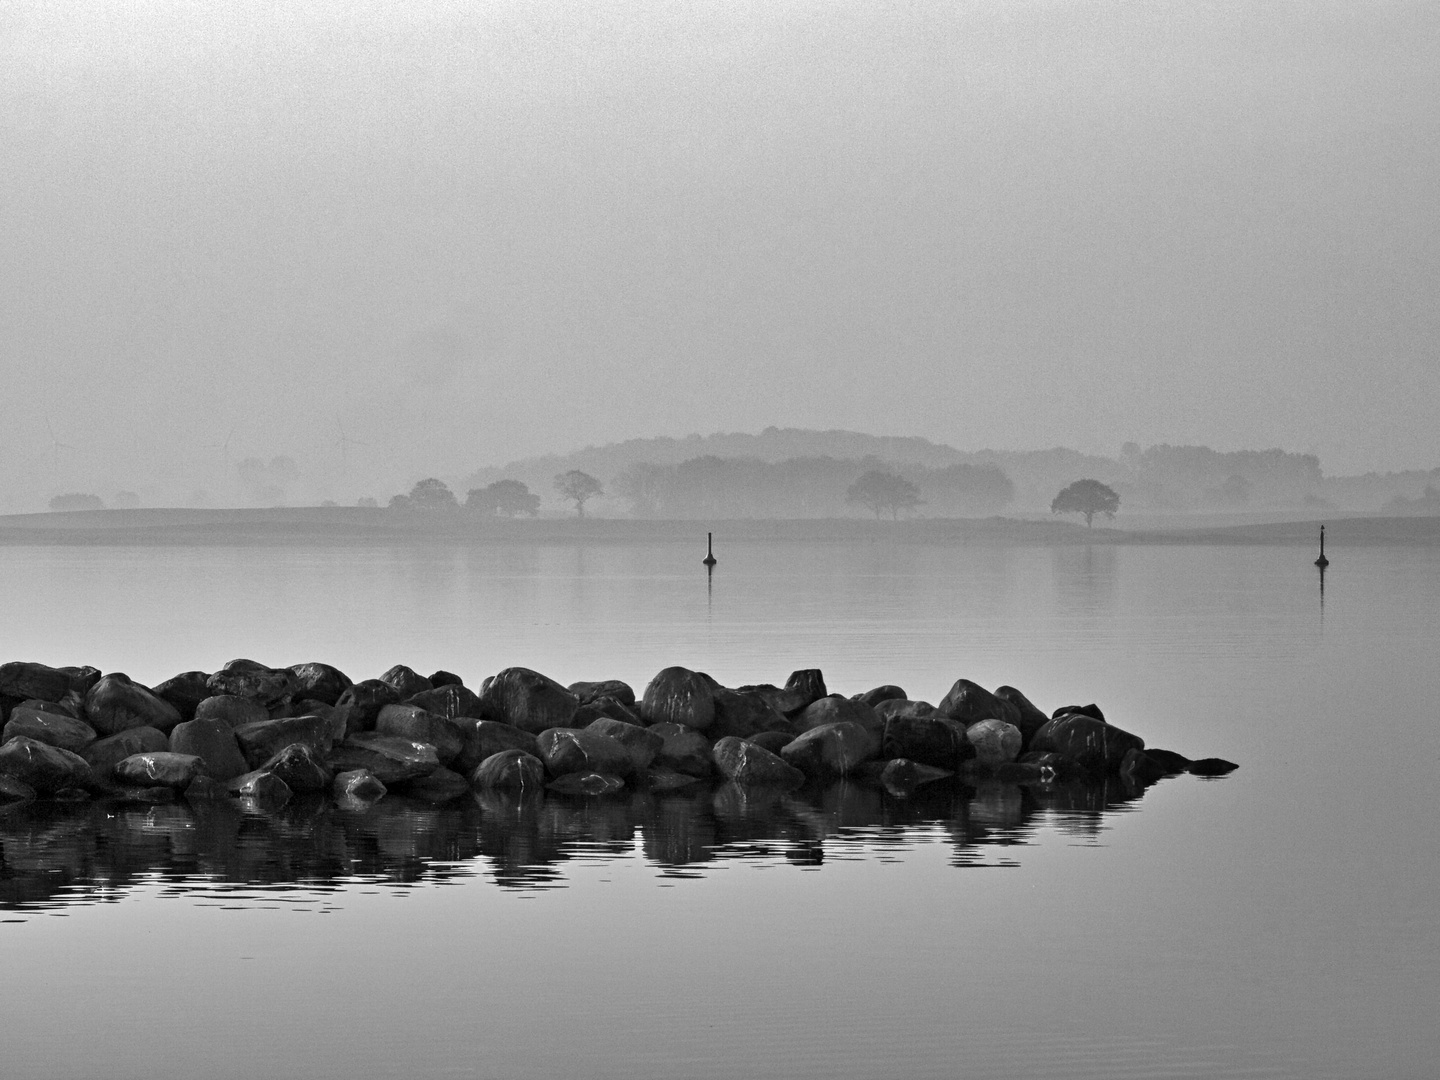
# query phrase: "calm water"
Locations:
[[1282, 921]]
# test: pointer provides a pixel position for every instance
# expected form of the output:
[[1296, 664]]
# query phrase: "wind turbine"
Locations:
[[55, 447]]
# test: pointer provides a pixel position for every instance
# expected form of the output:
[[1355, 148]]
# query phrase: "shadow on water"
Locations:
[[55, 855]]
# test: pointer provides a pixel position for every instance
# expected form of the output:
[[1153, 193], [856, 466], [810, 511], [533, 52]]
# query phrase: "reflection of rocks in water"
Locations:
[[58, 853]]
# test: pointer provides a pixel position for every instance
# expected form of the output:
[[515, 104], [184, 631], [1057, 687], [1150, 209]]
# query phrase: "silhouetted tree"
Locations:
[[508, 497], [367, 500], [431, 494], [578, 487], [1088, 497], [880, 490]]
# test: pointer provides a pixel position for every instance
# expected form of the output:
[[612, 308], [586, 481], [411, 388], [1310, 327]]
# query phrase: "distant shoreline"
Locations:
[[326, 526]]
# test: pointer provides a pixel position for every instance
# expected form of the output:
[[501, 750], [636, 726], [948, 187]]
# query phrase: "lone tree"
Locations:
[[428, 494], [1088, 497], [881, 491], [578, 486], [507, 497]]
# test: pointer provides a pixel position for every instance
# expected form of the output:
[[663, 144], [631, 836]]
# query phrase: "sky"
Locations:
[[391, 241]]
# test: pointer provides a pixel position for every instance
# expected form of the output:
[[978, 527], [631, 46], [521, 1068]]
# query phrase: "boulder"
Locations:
[[301, 767], [104, 754], [406, 682], [641, 743], [213, 742], [808, 683], [897, 707], [1031, 719], [56, 728], [445, 678], [115, 704], [1171, 762], [901, 776], [592, 783], [271, 687], [390, 758], [184, 691], [45, 768], [575, 750], [527, 700], [1082, 742], [678, 695], [13, 790], [835, 710], [450, 700], [412, 722], [995, 742], [1140, 769], [745, 763], [509, 770], [358, 707], [232, 710], [1091, 710], [205, 788], [970, 703], [743, 713], [260, 790], [683, 750], [358, 786], [259, 742], [21, 680], [81, 679], [1212, 766], [788, 703], [932, 740], [879, 694], [319, 682], [485, 738], [832, 750], [586, 692], [161, 769], [440, 786], [601, 708], [774, 741]]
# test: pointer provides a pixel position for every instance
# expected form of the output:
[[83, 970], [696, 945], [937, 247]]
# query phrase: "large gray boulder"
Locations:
[[576, 750], [22, 679], [412, 722], [1085, 744], [357, 788], [932, 740], [509, 770], [900, 707], [586, 692], [56, 728], [451, 700], [995, 742], [389, 758], [271, 687], [45, 768], [484, 738], [259, 742], [406, 682], [301, 767], [887, 692], [678, 695], [745, 763], [527, 700], [743, 713], [260, 790], [641, 743], [832, 750], [319, 682], [970, 703], [683, 749], [115, 704], [602, 707], [358, 707], [213, 742], [1031, 719], [104, 754], [184, 691], [808, 683], [438, 787], [161, 769], [232, 710], [835, 710]]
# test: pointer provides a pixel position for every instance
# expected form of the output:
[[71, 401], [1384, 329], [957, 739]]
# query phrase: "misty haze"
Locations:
[[722, 540]]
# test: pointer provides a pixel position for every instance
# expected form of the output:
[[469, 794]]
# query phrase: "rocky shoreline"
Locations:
[[264, 736]]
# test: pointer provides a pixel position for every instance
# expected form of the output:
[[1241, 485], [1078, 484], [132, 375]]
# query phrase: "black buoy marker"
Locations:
[[1322, 562], [709, 559]]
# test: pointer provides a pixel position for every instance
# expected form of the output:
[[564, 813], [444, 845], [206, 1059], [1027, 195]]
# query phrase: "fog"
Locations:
[[393, 241]]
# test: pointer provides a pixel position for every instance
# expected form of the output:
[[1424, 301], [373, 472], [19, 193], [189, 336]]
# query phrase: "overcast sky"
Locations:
[[464, 233]]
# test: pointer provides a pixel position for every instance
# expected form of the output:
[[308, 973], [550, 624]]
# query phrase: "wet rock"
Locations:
[[406, 682], [832, 750], [104, 754], [509, 770], [484, 738], [879, 694], [1140, 769], [808, 683], [184, 691], [358, 786], [213, 742], [660, 781], [678, 695], [970, 703], [1031, 718], [1212, 766], [592, 783], [205, 788], [1022, 772], [391, 759], [527, 700], [586, 692], [835, 710], [745, 763], [13, 790], [259, 742], [260, 790], [1171, 762], [744, 713], [932, 740], [56, 728], [450, 700], [444, 678], [682, 749], [995, 742], [21, 680], [788, 703], [895, 707], [572, 750], [1091, 710], [43, 767], [319, 682], [642, 744], [1085, 743], [301, 767], [774, 741], [601, 708], [440, 786], [116, 704], [411, 722], [901, 776], [232, 710], [271, 687], [358, 708], [160, 769]]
